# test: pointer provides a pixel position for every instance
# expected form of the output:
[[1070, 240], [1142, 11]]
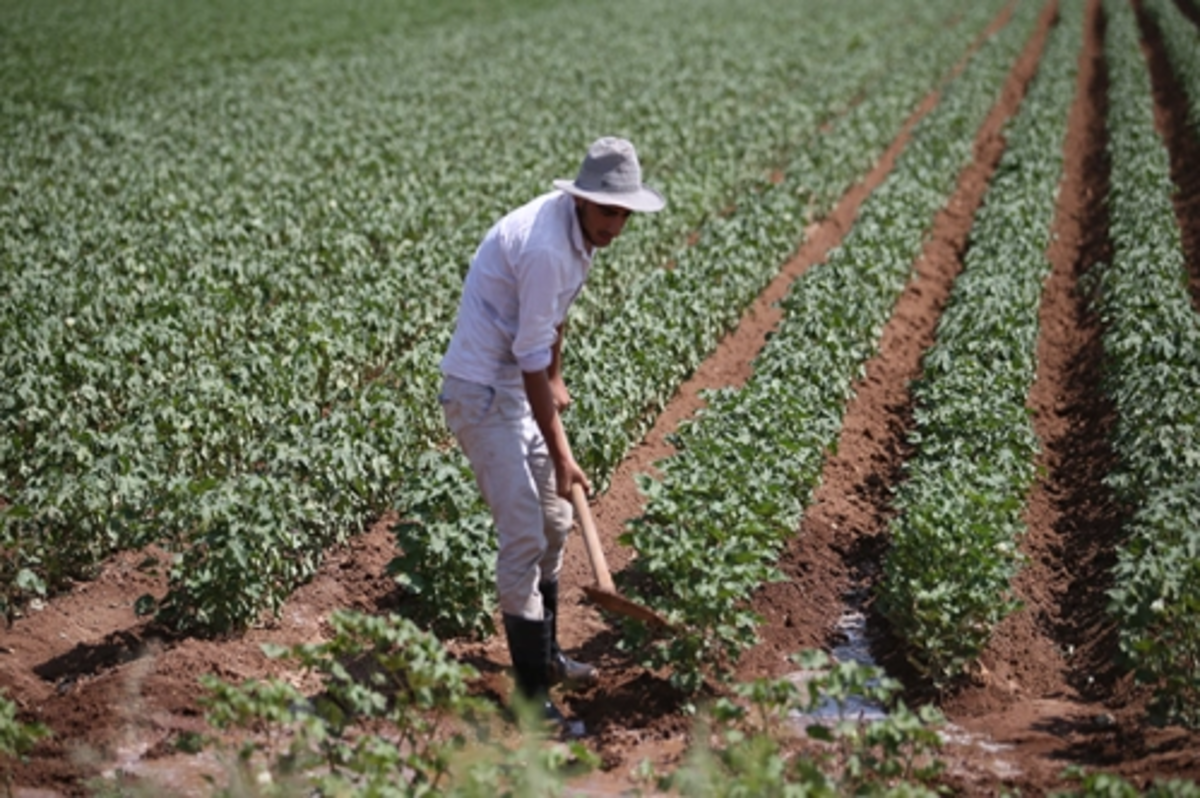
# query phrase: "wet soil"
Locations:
[[118, 693]]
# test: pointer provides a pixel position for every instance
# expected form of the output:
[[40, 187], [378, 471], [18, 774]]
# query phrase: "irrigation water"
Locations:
[[855, 647]]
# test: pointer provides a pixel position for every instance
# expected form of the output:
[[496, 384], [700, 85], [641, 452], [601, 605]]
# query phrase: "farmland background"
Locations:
[[239, 261], [233, 239]]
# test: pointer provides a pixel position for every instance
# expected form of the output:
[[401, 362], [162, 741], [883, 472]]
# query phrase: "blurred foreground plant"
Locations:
[[755, 751], [16, 738], [394, 718]]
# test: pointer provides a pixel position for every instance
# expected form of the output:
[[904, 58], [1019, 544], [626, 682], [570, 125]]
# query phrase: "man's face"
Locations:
[[600, 223]]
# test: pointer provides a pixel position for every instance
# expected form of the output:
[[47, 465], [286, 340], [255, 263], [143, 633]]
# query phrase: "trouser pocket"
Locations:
[[465, 403]]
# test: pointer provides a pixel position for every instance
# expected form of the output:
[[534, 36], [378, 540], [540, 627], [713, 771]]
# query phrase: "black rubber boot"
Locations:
[[529, 645], [572, 675]]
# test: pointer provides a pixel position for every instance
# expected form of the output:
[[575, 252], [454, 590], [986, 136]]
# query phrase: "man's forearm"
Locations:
[[555, 370], [545, 413]]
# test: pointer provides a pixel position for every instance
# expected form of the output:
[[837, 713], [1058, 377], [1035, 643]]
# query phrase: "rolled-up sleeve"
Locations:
[[539, 286]]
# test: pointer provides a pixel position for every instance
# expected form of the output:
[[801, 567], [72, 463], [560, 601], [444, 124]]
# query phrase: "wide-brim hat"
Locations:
[[610, 175]]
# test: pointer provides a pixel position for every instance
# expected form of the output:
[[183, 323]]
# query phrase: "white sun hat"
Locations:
[[610, 175]]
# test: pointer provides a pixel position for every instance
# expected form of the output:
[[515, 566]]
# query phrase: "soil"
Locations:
[[118, 694]]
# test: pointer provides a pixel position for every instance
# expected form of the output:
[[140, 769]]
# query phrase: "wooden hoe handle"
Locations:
[[591, 539]]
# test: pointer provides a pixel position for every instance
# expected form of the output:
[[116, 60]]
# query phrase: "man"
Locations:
[[503, 392]]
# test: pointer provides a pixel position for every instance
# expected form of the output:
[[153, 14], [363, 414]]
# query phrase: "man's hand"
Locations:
[[543, 403], [566, 474]]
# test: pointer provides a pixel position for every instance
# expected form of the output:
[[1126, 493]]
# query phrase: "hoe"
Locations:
[[604, 592]]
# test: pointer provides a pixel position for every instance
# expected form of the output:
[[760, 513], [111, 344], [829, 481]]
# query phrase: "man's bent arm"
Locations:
[[558, 386], [545, 413]]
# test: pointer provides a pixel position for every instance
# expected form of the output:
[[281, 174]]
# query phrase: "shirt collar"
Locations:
[[577, 231]]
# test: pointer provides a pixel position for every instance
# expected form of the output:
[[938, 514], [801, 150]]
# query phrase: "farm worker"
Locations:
[[503, 391]]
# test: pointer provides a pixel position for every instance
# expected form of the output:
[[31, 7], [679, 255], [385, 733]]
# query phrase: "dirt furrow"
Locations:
[[844, 533], [1073, 522], [1047, 660], [1054, 692], [845, 529]]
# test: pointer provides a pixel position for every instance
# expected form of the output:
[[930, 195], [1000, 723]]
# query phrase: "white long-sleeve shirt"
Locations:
[[523, 278]]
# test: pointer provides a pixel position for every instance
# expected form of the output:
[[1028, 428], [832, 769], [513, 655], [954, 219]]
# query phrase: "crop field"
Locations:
[[909, 366]]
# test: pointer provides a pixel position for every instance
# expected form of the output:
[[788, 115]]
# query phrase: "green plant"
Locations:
[[955, 539], [532, 766], [901, 745], [390, 692], [1152, 375], [394, 718], [1107, 785], [754, 751], [447, 544], [17, 738]]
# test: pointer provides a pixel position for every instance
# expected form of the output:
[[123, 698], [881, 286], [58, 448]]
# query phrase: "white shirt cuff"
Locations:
[[535, 361]]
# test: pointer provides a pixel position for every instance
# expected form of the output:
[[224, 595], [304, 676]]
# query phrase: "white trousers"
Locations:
[[512, 467]]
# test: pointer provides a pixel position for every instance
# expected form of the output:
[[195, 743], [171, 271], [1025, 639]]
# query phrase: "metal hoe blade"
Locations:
[[615, 602], [604, 592]]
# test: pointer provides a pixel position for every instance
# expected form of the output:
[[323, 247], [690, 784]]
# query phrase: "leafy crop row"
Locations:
[[625, 370], [76, 57], [1182, 41], [706, 541], [1152, 351], [955, 538]]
